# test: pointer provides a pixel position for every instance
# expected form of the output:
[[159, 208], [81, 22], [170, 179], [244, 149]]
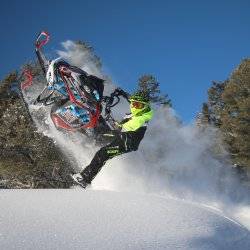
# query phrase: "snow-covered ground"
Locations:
[[78, 219]]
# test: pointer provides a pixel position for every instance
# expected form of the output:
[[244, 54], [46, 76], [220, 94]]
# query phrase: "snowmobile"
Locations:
[[76, 97]]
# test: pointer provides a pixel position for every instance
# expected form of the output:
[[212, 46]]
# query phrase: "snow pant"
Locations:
[[117, 147]]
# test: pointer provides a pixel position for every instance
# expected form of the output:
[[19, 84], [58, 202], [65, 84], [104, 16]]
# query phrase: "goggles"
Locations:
[[137, 105]]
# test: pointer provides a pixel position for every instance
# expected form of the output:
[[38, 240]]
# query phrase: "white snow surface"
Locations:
[[78, 219]]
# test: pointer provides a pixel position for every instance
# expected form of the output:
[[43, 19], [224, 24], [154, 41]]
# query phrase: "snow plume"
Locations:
[[177, 159], [82, 58]]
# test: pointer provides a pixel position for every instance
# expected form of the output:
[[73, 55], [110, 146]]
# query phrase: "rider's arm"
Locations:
[[133, 124], [137, 121]]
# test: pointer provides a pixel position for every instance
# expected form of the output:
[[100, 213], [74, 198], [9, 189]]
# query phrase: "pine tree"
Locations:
[[149, 86], [5, 84], [236, 114], [228, 108], [90, 53], [215, 102], [206, 113]]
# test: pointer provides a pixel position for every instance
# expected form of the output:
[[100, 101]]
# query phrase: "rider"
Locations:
[[125, 139]]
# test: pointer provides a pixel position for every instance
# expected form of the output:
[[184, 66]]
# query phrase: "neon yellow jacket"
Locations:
[[137, 121]]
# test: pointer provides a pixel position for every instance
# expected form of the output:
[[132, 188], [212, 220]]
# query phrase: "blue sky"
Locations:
[[184, 44]]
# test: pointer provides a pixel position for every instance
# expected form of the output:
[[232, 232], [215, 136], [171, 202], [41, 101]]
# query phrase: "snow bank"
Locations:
[[78, 219]]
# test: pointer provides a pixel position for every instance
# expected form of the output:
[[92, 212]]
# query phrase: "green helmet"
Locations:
[[139, 103], [140, 97]]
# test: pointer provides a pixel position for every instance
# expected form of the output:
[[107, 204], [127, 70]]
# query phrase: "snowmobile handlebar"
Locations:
[[109, 100], [120, 92], [42, 39], [114, 99]]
